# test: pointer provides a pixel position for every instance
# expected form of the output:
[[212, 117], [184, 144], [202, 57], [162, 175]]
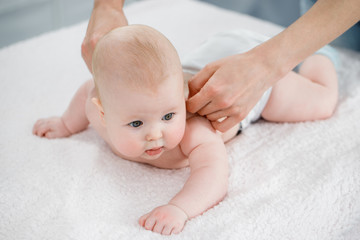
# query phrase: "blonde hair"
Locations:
[[136, 55]]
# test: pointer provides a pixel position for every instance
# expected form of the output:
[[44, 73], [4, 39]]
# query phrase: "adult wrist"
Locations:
[[114, 4], [274, 60]]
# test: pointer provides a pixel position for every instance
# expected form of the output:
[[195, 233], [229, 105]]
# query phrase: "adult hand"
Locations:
[[230, 88], [104, 18]]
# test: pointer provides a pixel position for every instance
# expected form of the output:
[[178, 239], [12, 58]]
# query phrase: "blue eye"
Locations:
[[168, 116], [136, 124]]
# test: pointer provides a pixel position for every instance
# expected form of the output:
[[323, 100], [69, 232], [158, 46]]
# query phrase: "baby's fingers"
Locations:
[[167, 230], [147, 221], [36, 126], [177, 229], [44, 131], [50, 134], [159, 226], [41, 128], [150, 223], [143, 219]]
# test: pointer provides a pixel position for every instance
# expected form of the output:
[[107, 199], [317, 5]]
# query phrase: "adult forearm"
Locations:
[[106, 16], [118, 4], [324, 22]]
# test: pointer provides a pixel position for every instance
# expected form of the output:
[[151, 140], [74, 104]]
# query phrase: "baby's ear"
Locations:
[[100, 108]]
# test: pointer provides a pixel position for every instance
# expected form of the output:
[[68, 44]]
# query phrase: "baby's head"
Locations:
[[139, 83], [136, 56]]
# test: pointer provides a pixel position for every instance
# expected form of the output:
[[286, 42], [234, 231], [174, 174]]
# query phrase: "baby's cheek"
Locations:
[[129, 147], [175, 135]]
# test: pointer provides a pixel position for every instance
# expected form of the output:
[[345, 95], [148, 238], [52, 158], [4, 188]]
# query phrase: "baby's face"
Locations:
[[144, 124]]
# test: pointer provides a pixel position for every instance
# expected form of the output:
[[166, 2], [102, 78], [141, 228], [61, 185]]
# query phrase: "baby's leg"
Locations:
[[310, 95]]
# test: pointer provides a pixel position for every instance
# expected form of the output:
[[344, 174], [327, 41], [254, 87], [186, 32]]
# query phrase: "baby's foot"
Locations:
[[53, 127]]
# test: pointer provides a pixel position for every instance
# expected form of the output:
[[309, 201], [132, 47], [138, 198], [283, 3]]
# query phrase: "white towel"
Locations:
[[287, 181]]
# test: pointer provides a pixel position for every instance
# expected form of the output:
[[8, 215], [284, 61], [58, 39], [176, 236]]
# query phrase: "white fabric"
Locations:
[[287, 181]]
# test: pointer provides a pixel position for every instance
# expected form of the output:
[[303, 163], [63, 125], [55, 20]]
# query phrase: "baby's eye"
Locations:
[[168, 116], [136, 124]]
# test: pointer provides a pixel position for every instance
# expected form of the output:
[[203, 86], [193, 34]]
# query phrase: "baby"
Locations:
[[137, 105]]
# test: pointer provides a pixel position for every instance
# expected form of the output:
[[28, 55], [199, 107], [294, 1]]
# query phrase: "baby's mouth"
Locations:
[[154, 151]]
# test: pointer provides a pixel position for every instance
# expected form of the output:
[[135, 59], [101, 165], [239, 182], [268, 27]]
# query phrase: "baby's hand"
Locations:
[[52, 127], [165, 220]]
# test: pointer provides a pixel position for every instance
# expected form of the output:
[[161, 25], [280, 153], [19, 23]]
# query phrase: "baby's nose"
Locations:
[[153, 135]]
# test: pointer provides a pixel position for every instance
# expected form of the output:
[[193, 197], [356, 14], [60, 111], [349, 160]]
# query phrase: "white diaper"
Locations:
[[222, 45]]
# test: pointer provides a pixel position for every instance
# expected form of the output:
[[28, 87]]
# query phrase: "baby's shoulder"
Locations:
[[193, 120], [198, 130]]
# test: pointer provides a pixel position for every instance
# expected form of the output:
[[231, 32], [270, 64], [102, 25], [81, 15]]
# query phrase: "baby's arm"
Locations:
[[72, 121], [206, 186]]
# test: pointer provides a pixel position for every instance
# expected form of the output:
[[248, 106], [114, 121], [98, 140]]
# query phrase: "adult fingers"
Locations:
[[197, 102], [218, 114], [198, 99], [200, 78], [225, 125], [218, 103], [233, 111]]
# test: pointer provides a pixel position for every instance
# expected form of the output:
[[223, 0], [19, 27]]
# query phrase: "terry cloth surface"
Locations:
[[287, 181]]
